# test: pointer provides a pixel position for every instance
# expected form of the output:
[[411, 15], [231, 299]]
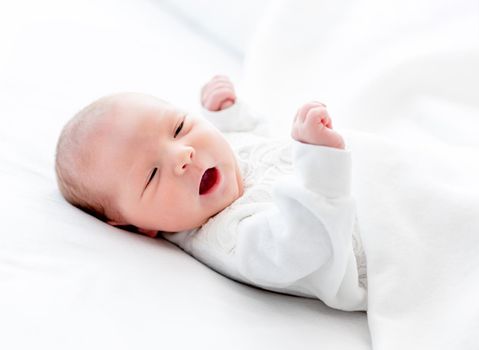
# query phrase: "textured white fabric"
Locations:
[[405, 70], [292, 230]]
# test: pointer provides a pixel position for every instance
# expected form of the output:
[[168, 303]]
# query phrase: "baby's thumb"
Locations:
[[227, 103]]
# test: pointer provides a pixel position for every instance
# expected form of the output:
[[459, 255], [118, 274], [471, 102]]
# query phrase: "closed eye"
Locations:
[[151, 177], [178, 130]]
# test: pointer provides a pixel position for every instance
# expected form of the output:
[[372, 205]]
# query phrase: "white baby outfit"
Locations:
[[294, 230]]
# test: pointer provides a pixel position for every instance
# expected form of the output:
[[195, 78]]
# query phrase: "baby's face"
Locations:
[[154, 158]]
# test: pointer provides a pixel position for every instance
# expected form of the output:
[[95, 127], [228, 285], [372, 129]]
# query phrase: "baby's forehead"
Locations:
[[131, 118], [136, 106], [127, 111]]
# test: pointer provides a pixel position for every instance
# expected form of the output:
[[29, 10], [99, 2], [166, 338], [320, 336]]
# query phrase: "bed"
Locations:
[[68, 281]]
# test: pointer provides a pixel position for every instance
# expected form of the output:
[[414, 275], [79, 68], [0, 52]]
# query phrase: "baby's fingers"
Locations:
[[319, 116], [218, 99], [215, 82], [303, 111], [212, 89], [218, 94]]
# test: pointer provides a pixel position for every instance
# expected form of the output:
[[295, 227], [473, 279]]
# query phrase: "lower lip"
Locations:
[[216, 184]]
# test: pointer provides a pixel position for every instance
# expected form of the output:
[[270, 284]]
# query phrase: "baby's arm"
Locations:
[[307, 231], [224, 110]]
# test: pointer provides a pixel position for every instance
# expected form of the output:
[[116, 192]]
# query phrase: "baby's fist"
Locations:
[[218, 93], [313, 125]]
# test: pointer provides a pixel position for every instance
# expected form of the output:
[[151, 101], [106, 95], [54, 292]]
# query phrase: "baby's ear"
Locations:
[[149, 233], [115, 223]]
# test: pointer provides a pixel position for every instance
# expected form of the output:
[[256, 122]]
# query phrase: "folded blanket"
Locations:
[[418, 209]]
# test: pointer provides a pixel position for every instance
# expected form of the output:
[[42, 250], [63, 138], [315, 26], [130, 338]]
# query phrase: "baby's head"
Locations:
[[133, 159]]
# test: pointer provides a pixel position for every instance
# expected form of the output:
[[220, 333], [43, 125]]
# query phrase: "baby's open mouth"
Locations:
[[208, 181]]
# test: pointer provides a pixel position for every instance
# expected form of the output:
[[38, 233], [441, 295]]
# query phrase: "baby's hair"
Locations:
[[73, 161]]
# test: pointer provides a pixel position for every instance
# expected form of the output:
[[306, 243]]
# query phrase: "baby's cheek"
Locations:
[[180, 200]]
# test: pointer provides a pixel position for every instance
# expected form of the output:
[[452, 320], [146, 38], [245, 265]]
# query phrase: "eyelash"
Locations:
[[180, 127], [151, 177]]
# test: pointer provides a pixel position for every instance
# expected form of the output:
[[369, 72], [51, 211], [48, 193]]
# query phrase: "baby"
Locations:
[[219, 189]]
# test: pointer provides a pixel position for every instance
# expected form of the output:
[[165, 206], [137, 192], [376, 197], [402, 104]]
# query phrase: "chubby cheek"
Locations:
[[177, 210], [210, 137]]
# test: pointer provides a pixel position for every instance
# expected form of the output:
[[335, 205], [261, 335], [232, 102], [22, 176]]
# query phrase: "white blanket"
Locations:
[[68, 281], [418, 211], [408, 71]]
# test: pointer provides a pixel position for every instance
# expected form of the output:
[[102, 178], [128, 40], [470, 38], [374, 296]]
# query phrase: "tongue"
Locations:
[[208, 180]]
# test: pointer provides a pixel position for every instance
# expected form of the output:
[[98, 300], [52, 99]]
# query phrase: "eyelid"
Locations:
[[182, 124], [151, 177]]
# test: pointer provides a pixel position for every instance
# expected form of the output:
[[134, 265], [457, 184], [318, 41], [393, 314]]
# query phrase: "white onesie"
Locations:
[[294, 229]]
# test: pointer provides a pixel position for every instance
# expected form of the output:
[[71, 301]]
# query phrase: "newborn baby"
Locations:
[[120, 158], [137, 161]]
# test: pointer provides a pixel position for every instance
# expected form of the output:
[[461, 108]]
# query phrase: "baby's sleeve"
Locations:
[[237, 118], [308, 230]]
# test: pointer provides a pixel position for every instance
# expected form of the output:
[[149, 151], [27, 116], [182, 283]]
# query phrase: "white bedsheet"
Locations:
[[408, 71], [68, 281]]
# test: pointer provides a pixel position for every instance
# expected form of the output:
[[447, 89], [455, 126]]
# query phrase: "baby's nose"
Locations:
[[185, 158]]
